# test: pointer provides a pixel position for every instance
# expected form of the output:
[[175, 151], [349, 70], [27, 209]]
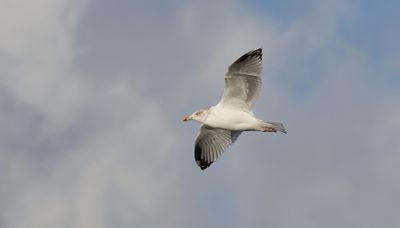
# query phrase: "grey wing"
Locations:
[[211, 143], [243, 81]]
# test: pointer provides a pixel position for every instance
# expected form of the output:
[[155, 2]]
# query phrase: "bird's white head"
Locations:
[[199, 115]]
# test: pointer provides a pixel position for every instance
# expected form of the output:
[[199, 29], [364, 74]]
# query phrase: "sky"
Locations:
[[92, 94]]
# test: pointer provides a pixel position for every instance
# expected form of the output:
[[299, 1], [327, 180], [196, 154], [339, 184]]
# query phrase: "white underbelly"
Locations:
[[232, 120]]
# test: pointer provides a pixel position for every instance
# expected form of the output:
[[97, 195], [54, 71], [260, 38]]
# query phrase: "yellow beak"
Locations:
[[186, 118]]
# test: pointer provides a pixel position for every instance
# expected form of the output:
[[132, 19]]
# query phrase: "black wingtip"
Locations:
[[254, 53], [203, 166], [200, 162]]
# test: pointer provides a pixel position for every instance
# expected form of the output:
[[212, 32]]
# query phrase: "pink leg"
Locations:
[[269, 129]]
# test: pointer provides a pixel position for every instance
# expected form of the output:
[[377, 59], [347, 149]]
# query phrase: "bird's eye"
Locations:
[[198, 113]]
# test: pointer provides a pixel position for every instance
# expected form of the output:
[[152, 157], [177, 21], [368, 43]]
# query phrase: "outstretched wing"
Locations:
[[211, 143], [243, 81]]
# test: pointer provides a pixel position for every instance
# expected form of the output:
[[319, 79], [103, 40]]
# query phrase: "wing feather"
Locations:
[[243, 81], [210, 144]]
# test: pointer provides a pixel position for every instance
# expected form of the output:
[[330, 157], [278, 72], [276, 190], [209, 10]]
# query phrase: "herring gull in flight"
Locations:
[[223, 123]]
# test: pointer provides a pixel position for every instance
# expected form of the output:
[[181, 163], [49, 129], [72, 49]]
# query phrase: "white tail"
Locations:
[[278, 126]]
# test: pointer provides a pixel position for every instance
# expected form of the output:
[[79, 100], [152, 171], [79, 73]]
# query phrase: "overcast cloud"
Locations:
[[92, 94]]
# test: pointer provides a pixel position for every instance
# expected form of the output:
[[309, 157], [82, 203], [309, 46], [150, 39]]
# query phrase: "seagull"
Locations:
[[223, 123]]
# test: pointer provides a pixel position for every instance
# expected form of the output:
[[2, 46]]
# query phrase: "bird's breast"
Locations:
[[232, 120]]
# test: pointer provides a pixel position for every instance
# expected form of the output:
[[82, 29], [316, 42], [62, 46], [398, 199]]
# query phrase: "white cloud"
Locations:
[[97, 145]]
